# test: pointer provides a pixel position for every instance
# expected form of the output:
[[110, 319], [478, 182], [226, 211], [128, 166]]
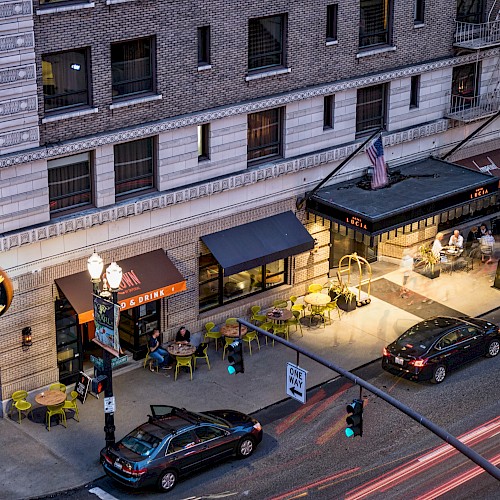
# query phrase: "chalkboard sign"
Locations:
[[82, 386], [496, 284]]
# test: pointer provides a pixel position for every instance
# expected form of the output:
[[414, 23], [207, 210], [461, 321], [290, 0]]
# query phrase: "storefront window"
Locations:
[[217, 289], [137, 324]]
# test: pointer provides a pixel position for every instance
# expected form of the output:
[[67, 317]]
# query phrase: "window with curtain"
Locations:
[[371, 108], [132, 67], [134, 167], [65, 79], [470, 11], [375, 22], [264, 135], [70, 183], [266, 42]]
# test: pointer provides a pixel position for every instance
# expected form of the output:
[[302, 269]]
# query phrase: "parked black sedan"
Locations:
[[175, 442], [431, 348]]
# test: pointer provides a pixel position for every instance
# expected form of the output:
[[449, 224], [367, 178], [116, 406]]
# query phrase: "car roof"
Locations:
[[180, 419], [432, 328]]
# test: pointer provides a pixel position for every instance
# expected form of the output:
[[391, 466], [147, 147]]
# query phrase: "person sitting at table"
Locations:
[[437, 245], [183, 335], [156, 352], [487, 244], [456, 240]]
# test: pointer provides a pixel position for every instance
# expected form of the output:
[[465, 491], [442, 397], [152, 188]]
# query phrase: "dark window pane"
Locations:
[[264, 134], [204, 45], [265, 42], [464, 86], [131, 67], [69, 182], [374, 22], [370, 109], [64, 79], [133, 166], [414, 91], [331, 22], [203, 142], [328, 111], [470, 11], [419, 11]]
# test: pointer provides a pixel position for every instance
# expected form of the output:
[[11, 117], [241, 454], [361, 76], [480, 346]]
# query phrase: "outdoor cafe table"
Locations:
[[50, 398], [233, 330], [450, 255], [317, 299], [176, 349], [284, 316]]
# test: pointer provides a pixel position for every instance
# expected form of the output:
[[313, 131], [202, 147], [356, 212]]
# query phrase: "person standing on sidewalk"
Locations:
[[406, 267], [156, 352]]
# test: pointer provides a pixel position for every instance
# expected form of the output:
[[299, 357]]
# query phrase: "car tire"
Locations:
[[493, 349], [245, 447], [439, 374], [167, 480]]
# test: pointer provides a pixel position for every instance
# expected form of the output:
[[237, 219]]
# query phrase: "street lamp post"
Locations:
[[114, 278]]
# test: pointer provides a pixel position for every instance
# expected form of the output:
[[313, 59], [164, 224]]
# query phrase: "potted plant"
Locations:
[[339, 291], [427, 263]]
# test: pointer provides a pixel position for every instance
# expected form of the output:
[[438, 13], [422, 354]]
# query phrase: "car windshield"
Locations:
[[141, 442], [416, 340]]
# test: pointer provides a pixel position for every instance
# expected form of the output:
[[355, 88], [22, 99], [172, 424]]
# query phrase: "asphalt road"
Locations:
[[306, 454]]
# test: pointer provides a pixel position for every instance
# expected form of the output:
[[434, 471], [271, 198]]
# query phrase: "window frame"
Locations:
[[384, 111], [419, 12], [329, 112], [332, 17], [387, 32], [152, 69], [203, 142], [279, 123], [415, 82], [203, 34], [78, 206], [282, 52], [85, 51]]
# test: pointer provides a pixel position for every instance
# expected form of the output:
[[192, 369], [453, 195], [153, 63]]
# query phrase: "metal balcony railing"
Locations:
[[477, 36], [469, 109]]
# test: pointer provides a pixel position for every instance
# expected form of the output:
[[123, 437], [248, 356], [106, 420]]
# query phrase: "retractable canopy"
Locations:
[[258, 243]]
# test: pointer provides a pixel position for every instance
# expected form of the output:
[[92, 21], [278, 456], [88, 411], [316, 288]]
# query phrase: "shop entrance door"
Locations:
[[345, 245]]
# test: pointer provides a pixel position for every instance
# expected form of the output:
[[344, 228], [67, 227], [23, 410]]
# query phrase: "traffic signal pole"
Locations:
[[435, 429]]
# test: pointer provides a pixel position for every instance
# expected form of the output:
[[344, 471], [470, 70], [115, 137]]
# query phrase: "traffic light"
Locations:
[[235, 357], [99, 384], [355, 419]]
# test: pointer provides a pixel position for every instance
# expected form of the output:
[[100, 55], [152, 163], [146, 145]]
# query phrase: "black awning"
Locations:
[[421, 189], [258, 243]]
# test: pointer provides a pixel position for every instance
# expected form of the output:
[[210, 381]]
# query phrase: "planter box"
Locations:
[[346, 305], [428, 273]]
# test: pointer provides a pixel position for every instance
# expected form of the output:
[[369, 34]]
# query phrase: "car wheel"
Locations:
[[167, 480], [245, 447], [493, 349], [439, 374]]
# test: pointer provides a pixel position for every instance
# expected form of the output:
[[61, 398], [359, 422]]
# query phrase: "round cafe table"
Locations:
[[233, 330], [284, 316], [317, 299], [50, 398], [176, 349]]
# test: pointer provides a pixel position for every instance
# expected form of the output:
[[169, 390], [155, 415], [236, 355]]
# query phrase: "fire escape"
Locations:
[[473, 38]]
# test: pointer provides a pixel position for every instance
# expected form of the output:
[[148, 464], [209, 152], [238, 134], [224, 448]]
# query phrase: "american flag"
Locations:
[[375, 152]]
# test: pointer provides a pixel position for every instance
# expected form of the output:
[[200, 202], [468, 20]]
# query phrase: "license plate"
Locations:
[[399, 361], [118, 466]]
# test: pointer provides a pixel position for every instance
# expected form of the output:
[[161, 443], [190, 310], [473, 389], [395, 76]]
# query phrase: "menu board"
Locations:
[[82, 386]]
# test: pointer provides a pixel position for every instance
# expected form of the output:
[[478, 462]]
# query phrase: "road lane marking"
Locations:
[[103, 495]]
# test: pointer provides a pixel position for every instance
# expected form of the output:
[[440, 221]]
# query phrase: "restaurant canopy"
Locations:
[[417, 191], [258, 243], [486, 163], [146, 277]]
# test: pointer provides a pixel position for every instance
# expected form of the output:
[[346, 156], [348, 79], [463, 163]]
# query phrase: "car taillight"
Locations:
[[134, 473], [108, 459], [417, 363], [385, 352], [257, 426]]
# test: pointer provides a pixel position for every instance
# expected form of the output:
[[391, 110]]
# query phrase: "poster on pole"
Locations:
[[106, 319]]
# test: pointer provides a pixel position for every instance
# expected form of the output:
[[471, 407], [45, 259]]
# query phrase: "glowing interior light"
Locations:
[[75, 66]]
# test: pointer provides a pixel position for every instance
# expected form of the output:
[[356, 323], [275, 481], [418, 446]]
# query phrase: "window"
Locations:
[[49, 2], [464, 86], [331, 22], [134, 163], [181, 442], [375, 22], [419, 11], [207, 433], [65, 80], [470, 11], [414, 91], [132, 67], [70, 184], [266, 42], [203, 142], [328, 111], [371, 109], [264, 135], [204, 46], [215, 289]]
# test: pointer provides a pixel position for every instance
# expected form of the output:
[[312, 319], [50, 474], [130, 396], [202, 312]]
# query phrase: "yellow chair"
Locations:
[[331, 306], [184, 361], [55, 410], [19, 395], [297, 307], [21, 405], [70, 404], [57, 387], [201, 353], [281, 328], [280, 303], [152, 362], [315, 288], [212, 334], [261, 318], [231, 321], [228, 341], [295, 321], [318, 311], [249, 338], [268, 325]]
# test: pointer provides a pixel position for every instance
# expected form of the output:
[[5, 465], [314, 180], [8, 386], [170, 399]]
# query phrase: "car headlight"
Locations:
[[257, 426]]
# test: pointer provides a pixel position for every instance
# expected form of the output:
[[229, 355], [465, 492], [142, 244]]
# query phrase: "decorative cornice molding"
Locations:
[[183, 195], [19, 74], [16, 106], [15, 9], [17, 41], [16, 137]]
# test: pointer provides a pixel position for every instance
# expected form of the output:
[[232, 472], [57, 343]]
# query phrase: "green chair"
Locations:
[[212, 334], [315, 288], [280, 303], [331, 306], [295, 321], [297, 307], [261, 318], [70, 404], [231, 321], [249, 338], [281, 329], [227, 341], [151, 363], [21, 406], [201, 353], [53, 410], [19, 395], [184, 361], [268, 325], [318, 311], [57, 387]]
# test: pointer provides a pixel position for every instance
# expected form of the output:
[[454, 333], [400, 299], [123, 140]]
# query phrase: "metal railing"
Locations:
[[473, 108], [484, 34]]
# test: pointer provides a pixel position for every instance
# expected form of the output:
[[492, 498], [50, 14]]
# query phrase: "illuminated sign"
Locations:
[[356, 221], [6, 292], [478, 192]]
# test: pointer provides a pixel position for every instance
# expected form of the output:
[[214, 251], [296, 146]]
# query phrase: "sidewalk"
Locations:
[[37, 462]]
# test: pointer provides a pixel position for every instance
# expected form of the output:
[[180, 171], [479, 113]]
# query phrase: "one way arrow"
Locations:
[[295, 391]]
